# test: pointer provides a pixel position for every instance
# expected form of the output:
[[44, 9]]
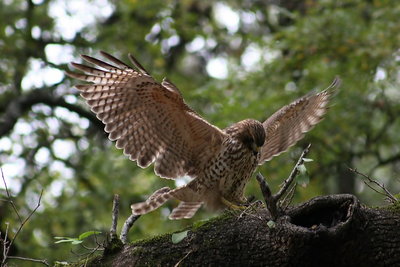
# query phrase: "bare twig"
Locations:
[[252, 208], [293, 174], [272, 200], [95, 239], [44, 262], [114, 223], [27, 218], [89, 252], [127, 225], [180, 261], [9, 196], [287, 199], [99, 247], [369, 181], [5, 246]]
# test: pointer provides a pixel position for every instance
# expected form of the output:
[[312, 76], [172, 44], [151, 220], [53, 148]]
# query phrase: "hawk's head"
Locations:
[[250, 132]]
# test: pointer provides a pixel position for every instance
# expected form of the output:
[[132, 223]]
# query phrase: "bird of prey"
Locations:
[[152, 123]]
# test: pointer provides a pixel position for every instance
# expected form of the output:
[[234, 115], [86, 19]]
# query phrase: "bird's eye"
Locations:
[[248, 140]]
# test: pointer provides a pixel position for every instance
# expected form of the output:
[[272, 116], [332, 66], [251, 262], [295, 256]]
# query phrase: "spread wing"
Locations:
[[288, 125], [150, 121]]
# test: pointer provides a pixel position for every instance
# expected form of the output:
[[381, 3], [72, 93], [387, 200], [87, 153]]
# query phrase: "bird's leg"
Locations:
[[231, 205], [252, 201]]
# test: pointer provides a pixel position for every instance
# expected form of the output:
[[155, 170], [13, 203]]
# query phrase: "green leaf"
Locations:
[[67, 240], [271, 224], [74, 240], [61, 237], [178, 237], [87, 234], [302, 178], [302, 169], [61, 263], [307, 160]]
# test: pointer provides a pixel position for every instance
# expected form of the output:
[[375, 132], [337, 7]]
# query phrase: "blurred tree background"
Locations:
[[231, 59]]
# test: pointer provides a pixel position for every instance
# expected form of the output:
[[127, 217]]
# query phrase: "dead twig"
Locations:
[[127, 225], [293, 174], [27, 218], [7, 244], [9, 196], [368, 181], [272, 200], [252, 208], [90, 251], [44, 262], [180, 261], [288, 198], [114, 223]]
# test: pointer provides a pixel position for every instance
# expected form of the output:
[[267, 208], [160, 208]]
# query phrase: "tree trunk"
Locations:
[[325, 231]]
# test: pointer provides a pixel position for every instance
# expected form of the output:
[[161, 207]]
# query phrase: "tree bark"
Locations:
[[325, 231]]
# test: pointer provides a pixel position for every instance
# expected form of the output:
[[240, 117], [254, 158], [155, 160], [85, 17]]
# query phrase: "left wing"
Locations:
[[288, 125]]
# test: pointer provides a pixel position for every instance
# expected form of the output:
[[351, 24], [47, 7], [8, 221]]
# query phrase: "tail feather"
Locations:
[[157, 199], [191, 202], [185, 210]]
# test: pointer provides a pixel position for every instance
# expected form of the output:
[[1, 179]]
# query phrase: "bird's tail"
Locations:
[[185, 210], [191, 202], [158, 198]]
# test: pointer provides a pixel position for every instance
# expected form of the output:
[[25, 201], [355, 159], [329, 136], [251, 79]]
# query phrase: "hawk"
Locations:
[[152, 123]]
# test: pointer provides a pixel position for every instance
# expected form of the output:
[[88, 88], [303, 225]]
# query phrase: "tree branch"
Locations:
[[29, 259], [272, 200], [392, 199], [293, 174], [20, 105], [114, 223], [127, 225]]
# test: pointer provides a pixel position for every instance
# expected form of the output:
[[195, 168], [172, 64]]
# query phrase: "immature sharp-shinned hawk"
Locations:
[[152, 124]]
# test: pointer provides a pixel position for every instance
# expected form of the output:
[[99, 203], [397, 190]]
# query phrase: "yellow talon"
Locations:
[[231, 205]]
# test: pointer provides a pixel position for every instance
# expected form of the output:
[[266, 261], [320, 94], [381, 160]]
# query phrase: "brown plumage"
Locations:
[[152, 124]]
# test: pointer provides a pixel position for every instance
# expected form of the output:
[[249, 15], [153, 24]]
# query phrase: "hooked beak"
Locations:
[[256, 149]]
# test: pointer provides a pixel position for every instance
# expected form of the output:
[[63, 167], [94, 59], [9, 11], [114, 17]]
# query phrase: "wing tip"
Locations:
[[72, 74], [337, 82], [334, 86], [136, 63]]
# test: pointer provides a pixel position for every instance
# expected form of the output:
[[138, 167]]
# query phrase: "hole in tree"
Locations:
[[323, 214]]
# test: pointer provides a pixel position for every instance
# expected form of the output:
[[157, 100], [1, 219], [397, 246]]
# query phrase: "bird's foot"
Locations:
[[231, 205]]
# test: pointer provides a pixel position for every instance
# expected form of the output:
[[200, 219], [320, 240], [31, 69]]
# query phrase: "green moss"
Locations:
[[155, 239], [394, 207], [88, 261], [113, 246], [205, 224], [200, 225], [141, 246]]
